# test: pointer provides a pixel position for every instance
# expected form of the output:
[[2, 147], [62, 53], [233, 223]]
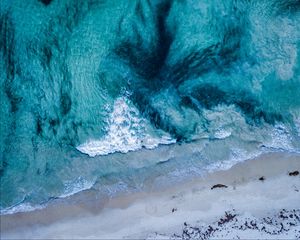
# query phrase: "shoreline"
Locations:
[[164, 211]]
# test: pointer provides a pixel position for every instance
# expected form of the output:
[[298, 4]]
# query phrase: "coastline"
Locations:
[[165, 213]]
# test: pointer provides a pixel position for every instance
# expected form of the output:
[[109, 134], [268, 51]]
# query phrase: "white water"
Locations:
[[126, 131]]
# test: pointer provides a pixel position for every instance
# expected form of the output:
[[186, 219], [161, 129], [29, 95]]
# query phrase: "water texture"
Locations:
[[84, 83]]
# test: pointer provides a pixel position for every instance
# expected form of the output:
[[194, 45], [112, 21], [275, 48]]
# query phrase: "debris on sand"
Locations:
[[295, 173], [262, 178], [219, 186]]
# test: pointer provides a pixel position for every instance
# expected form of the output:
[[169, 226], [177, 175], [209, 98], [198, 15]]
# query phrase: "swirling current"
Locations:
[[90, 87]]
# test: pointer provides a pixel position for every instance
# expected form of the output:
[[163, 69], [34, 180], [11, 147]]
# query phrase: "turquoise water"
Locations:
[[100, 93]]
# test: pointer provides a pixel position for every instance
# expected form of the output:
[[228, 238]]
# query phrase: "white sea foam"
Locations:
[[73, 187], [127, 131], [227, 164], [23, 207], [280, 140]]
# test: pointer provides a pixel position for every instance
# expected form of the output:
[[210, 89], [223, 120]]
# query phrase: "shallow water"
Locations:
[[86, 83]]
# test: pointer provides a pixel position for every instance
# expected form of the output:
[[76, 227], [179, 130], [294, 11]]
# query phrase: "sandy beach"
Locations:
[[258, 198]]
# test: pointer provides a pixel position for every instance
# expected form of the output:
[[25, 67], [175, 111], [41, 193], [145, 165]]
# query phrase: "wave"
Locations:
[[126, 131]]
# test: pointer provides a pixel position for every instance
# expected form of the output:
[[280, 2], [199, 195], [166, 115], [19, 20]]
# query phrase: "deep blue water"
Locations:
[[86, 84]]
